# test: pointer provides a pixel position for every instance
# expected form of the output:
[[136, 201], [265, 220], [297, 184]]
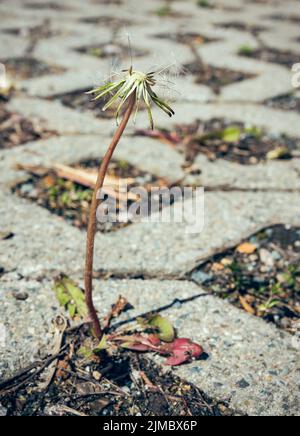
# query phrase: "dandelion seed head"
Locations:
[[133, 82]]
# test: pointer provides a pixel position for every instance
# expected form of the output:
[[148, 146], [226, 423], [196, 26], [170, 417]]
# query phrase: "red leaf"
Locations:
[[183, 350], [135, 346], [141, 343], [154, 340]]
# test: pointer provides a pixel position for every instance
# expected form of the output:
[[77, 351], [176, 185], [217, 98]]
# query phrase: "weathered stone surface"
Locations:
[[272, 175], [156, 249]]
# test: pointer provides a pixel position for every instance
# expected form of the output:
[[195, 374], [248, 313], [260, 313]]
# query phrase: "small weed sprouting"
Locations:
[[246, 50], [204, 4], [164, 11]]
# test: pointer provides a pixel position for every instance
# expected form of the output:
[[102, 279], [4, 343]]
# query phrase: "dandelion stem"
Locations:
[[92, 225]]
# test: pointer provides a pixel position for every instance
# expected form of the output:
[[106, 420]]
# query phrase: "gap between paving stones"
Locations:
[[250, 364]]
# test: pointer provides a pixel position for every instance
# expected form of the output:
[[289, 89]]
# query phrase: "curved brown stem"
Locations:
[[92, 225]]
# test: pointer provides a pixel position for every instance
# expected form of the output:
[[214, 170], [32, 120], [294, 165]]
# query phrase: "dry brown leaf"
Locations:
[[62, 369], [37, 170], [246, 248], [49, 181], [226, 261], [85, 178], [147, 381], [60, 325], [116, 309], [217, 267], [246, 305]]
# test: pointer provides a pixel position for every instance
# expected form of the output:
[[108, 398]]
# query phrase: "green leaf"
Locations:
[[72, 310], [203, 3], [231, 134], [98, 52], [102, 345], [256, 132], [164, 11], [246, 50], [165, 329], [269, 305], [85, 352], [70, 296], [279, 153], [62, 297]]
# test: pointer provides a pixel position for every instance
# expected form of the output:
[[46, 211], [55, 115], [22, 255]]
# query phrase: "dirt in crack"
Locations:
[[16, 130], [284, 102], [285, 18], [112, 50], [28, 68], [214, 77], [41, 31], [55, 6], [71, 200], [272, 55], [106, 20], [186, 38], [121, 384], [243, 27], [261, 275], [223, 139]]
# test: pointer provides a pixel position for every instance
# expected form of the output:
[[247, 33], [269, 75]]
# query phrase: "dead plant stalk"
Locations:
[[92, 225]]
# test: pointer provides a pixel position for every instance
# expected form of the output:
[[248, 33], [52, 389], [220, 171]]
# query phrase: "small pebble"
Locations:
[[276, 255], [26, 189], [201, 277], [281, 278], [226, 261], [266, 257], [97, 375], [3, 410], [20, 296], [258, 280], [177, 305], [126, 389], [243, 384], [265, 269]]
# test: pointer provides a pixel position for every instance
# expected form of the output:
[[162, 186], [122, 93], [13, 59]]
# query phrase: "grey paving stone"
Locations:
[[57, 117], [275, 121], [272, 175], [11, 46], [144, 153], [154, 249], [263, 86]]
